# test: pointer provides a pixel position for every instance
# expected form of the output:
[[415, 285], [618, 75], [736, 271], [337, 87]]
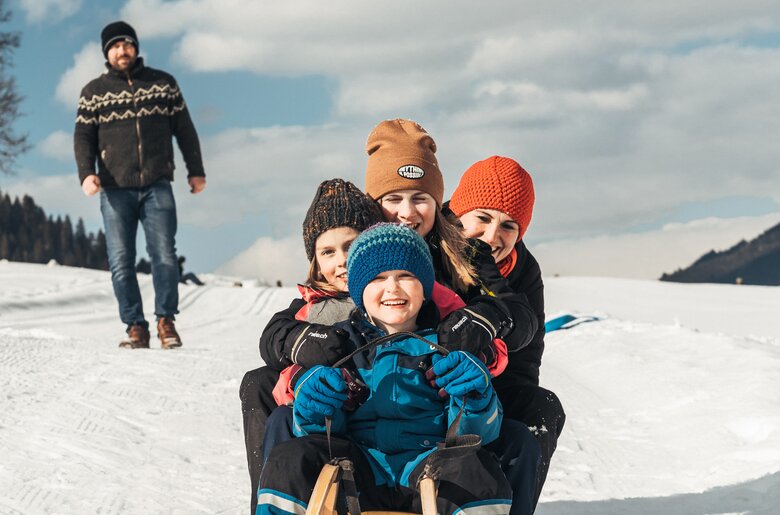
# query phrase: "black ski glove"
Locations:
[[474, 327], [316, 344], [480, 257]]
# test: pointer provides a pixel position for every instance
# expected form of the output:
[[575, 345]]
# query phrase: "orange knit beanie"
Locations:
[[402, 156], [496, 183]]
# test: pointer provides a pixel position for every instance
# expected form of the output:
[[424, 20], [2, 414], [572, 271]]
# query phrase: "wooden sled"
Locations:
[[323, 498]]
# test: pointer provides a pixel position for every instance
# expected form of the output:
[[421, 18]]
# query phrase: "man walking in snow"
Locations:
[[126, 120]]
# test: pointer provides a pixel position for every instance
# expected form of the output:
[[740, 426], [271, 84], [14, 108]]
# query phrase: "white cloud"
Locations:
[[620, 111], [87, 65], [49, 10], [57, 145], [272, 171], [270, 260], [648, 255]]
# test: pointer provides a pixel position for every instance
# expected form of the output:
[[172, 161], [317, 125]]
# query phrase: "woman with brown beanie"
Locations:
[[494, 203], [403, 176]]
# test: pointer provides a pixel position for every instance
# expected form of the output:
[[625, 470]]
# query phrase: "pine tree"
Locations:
[[11, 144], [66, 240], [27, 234]]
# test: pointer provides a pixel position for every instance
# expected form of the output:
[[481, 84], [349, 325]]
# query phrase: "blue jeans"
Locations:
[[155, 208]]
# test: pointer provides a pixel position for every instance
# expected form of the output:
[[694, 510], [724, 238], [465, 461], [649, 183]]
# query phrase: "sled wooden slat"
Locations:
[[428, 496], [323, 498]]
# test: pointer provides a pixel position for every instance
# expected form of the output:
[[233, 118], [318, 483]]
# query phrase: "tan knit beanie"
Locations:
[[402, 156], [496, 183]]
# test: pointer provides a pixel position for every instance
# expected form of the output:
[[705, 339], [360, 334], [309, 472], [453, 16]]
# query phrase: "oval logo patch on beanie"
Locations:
[[411, 172]]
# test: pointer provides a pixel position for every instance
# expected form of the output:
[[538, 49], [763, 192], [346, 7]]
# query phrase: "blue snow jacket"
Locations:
[[403, 418]]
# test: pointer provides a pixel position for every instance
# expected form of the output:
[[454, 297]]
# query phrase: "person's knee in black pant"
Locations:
[[293, 467], [541, 410], [278, 429], [519, 454], [257, 403], [256, 390]]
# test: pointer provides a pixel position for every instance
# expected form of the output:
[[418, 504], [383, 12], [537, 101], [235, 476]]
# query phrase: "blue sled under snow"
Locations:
[[568, 321]]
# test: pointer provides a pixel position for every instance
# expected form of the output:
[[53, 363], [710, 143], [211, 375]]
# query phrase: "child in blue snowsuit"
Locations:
[[412, 393]]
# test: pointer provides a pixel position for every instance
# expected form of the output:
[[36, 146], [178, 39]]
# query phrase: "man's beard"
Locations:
[[122, 68]]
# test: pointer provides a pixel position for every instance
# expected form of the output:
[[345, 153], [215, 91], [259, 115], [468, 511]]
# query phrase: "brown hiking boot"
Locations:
[[166, 332], [137, 338]]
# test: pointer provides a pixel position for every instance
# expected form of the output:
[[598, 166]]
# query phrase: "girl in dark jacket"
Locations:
[[493, 203], [303, 335]]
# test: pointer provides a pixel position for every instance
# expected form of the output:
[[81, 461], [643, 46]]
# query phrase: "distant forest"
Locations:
[[28, 235]]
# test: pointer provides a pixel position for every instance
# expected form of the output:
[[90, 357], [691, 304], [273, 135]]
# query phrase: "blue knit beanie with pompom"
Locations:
[[384, 247]]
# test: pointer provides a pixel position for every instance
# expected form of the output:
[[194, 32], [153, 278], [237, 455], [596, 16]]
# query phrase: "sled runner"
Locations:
[[341, 470], [568, 321]]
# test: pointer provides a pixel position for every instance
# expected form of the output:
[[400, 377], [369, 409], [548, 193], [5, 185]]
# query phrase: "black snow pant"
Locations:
[[257, 402], [540, 410], [293, 466]]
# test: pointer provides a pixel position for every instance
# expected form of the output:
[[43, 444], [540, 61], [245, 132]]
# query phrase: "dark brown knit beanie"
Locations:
[[338, 203], [402, 156]]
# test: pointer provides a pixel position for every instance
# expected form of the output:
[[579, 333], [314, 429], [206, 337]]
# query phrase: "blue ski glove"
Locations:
[[319, 393], [458, 374]]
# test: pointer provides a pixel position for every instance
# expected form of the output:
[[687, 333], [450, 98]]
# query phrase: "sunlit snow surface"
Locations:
[[672, 400]]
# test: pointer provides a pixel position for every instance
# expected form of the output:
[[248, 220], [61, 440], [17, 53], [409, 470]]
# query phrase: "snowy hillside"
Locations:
[[673, 400]]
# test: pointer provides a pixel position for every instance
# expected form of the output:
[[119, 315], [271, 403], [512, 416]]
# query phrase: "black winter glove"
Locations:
[[474, 327], [317, 344], [479, 255]]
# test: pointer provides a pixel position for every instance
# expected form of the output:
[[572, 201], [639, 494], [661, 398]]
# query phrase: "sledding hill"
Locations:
[[672, 399]]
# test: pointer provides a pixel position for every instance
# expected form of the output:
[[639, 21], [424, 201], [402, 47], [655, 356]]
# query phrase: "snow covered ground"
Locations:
[[673, 400]]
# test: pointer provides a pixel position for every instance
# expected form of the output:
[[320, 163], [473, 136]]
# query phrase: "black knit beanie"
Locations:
[[117, 31], [338, 203]]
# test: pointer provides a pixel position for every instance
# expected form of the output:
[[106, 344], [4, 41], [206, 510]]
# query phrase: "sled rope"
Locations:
[[388, 338]]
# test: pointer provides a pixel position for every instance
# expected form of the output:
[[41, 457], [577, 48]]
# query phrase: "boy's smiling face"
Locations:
[[393, 299]]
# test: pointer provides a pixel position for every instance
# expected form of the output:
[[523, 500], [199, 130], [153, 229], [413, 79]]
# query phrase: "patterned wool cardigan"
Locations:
[[125, 123]]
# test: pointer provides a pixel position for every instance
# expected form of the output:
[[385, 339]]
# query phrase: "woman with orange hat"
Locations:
[[494, 203]]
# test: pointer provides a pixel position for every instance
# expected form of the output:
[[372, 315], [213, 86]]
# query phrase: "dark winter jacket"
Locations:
[[125, 123], [526, 277], [527, 312], [404, 417], [311, 307]]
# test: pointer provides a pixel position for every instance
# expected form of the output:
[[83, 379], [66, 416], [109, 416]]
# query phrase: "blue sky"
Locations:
[[629, 117]]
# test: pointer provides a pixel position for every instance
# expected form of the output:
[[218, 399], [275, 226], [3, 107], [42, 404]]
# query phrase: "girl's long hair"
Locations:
[[315, 280], [457, 269]]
